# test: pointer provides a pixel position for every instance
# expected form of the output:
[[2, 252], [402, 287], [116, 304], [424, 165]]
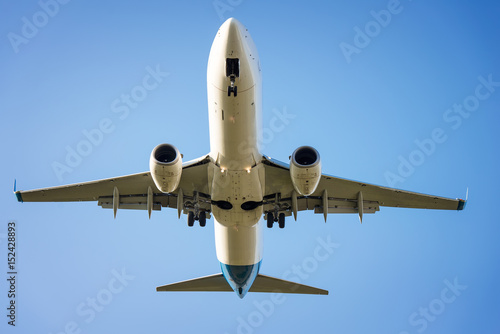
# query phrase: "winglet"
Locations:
[[17, 193], [461, 202]]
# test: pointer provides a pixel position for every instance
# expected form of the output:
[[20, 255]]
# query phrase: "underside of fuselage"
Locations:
[[237, 178]]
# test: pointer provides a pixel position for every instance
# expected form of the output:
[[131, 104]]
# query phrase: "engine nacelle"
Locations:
[[165, 165], [305, 170]]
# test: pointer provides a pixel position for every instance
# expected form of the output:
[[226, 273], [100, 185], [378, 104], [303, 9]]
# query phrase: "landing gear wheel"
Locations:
[[190, 218], [281, 220], [270, 220], [203, 218], [233, 89]]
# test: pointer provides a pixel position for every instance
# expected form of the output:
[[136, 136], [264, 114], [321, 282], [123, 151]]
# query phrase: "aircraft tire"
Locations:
[[203, 218], [270, 220], [281, 220], [190, 218]]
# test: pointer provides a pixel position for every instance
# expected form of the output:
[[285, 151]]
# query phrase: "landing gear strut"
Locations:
[[232, 89]]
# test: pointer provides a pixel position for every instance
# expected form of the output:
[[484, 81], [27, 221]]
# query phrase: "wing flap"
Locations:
[[139, 202], [344, 206]]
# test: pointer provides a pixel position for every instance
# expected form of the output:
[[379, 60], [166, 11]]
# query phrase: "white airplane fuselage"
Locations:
[[234, 87]]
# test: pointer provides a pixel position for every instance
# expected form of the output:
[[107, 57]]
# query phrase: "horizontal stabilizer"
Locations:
[[265, 283], [262, 283], [215, 282]]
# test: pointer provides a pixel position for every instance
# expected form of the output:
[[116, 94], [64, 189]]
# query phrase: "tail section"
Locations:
[[262, 283]]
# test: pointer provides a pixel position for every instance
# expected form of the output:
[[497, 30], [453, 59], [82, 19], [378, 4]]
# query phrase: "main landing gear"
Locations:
[[271, 219], [277, 213], [195, 212], [202, 218]]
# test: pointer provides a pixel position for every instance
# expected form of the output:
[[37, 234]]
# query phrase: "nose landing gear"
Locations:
[[233, 72], [232, 88]]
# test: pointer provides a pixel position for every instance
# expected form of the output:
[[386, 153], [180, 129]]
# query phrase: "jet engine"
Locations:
[[165, 165], [305, 170]]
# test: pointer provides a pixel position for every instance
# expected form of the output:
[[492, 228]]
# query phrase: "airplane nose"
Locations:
[[233, 64], [232, 27], [232, 31]]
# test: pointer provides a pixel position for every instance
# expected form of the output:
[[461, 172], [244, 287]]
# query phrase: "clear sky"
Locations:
[[402, 94]]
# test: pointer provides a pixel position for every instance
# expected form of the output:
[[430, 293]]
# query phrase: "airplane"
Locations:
[[236, 183]]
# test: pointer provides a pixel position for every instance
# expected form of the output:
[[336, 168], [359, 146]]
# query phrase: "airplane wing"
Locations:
[[136, 191], [339, 195]]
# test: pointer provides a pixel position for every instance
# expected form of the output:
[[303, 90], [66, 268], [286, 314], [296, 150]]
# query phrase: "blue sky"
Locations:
[[402, 94]]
